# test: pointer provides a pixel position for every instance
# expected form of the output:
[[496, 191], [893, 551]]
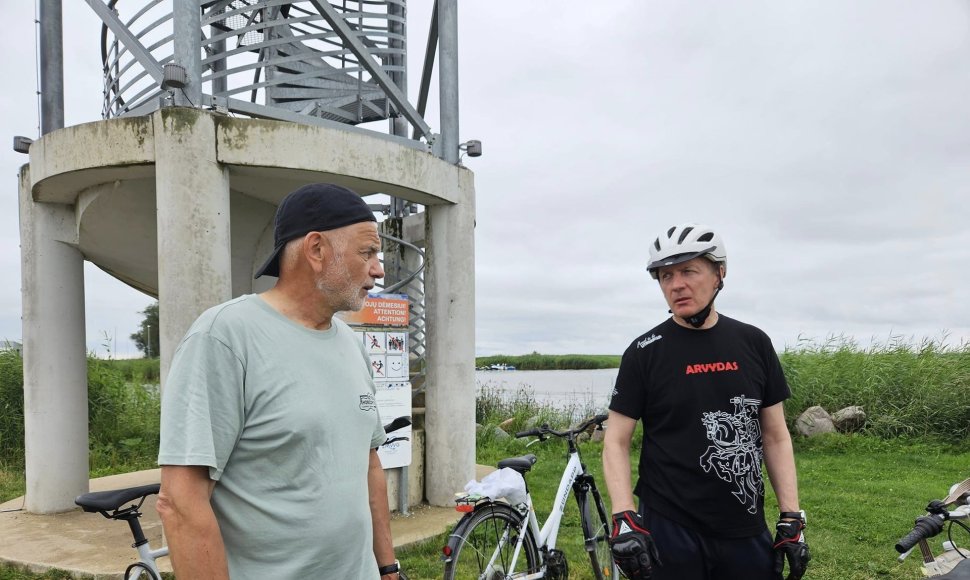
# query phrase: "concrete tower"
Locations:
[[213, 111]]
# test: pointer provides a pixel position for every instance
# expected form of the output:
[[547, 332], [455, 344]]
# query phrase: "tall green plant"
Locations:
[[124, 416], [11, 407], [906, 388]]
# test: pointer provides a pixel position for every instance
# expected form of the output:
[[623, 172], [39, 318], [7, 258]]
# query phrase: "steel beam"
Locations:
[[51, 67], [139, 52], [363, 55], [428, 69], [448, 78]]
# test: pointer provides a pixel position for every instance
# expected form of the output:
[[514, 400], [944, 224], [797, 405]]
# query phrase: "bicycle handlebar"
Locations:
[[926, 527], [542, 431]]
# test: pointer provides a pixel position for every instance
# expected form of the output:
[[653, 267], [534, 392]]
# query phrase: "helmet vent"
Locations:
[[706, 237], [656, 244], [670, 232], [684, 234]]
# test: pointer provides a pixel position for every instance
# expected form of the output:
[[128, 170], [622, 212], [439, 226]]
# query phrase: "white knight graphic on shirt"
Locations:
[[735, 454]]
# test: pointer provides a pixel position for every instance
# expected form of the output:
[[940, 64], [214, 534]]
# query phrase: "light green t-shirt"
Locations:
[[284, 417]]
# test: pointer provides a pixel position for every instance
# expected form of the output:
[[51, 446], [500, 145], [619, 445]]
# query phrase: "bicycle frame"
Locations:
[[546, 536], [147, 556]]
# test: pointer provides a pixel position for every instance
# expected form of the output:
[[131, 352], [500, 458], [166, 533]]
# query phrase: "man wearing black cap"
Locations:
[[269, 420]]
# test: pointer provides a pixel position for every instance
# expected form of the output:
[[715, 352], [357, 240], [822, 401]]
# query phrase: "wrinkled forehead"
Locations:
[[362, 232]]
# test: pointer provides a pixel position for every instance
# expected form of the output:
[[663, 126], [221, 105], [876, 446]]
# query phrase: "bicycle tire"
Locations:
[[477, 539], [596, 534], [139, 571]]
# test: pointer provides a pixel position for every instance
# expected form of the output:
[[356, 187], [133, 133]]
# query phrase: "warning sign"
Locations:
[[380, 310]]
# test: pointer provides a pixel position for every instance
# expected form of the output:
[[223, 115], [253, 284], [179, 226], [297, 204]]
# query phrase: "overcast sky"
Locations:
[[828, 142]]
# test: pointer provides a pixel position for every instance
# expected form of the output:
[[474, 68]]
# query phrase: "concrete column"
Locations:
[[55, 355], [192, 199], [450, 302]]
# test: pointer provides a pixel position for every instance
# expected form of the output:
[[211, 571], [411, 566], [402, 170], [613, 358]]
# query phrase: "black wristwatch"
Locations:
[[390, 568]]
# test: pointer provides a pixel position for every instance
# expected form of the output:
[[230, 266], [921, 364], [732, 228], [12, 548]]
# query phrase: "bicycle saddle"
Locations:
[[100, 501], [521, 464]]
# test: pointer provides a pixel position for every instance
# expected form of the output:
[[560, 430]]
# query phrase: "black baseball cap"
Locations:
[[316, 207]]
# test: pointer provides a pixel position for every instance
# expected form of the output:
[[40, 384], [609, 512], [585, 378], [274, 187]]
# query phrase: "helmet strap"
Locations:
[[700, 318]]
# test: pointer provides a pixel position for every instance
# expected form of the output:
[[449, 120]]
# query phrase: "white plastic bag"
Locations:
[[505, 482]]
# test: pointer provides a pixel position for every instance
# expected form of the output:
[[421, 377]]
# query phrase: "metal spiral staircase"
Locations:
[[278, 59]]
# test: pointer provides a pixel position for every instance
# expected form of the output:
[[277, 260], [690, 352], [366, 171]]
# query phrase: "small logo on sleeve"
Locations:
[[367, 403], [649, 340]]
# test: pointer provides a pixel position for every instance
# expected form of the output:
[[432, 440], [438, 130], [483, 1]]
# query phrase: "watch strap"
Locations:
[[390, 568]]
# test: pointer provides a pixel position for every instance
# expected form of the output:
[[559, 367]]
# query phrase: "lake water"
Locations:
[[558, 388]]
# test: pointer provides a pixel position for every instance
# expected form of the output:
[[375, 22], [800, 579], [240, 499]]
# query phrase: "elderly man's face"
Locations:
[[690, 286], [355, 266]]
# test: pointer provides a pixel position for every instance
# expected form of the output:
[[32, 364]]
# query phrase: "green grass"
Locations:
[[861, 495], [861, 492], [9, 573]]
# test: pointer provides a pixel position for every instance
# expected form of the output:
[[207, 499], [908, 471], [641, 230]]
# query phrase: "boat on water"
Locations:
[[497, 367]]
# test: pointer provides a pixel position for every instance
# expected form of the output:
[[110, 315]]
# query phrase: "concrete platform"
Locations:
[[89, 545]]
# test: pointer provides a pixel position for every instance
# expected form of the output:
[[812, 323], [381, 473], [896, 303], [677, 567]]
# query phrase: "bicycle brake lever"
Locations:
[[533, 442]]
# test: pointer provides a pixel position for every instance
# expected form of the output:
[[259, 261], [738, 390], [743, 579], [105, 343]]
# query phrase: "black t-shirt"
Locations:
[[698, 394]]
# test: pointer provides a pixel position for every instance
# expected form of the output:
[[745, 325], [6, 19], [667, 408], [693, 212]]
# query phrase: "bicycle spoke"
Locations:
[[487, 549]]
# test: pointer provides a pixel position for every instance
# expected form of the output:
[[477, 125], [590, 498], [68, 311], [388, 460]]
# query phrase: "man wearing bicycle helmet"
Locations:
[[708, 390]]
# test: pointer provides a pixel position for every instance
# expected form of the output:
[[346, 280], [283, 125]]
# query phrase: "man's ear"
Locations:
[[316, 250]]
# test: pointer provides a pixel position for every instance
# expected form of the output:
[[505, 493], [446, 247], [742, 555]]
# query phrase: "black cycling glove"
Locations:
[[790, 544], [633, 549]]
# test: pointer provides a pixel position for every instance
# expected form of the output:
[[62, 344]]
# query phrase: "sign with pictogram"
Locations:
[[382, 326]]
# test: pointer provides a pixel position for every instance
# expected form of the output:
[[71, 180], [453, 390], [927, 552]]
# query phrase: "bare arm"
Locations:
[[191, 530], [616, 461], [380, 513], [779, 457]]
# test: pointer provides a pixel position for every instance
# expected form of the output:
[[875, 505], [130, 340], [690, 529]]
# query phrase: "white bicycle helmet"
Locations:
[[685, 242]]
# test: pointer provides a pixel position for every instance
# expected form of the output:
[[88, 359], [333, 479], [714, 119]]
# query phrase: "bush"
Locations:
[[11, 408], [906, 389], [123, 410], [123, 416]]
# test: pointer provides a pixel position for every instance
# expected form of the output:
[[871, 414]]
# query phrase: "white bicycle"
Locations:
[[499, 541], [112, 505], [952, 563]]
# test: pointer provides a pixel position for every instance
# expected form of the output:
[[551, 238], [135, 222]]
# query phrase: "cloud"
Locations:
[[828, 142]]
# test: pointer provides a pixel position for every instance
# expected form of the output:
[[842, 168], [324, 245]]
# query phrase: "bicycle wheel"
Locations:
[[483, 546], [596, 533], [139, 571]]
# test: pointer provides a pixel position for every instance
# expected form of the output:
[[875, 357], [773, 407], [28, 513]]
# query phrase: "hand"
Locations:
[[790, 544], [633, 549]]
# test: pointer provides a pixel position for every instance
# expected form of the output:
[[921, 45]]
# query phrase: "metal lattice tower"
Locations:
[[273, 59], [213, 109], [304, 61]]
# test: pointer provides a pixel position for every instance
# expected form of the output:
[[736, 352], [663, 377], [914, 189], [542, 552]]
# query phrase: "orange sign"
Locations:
[[380, 310]]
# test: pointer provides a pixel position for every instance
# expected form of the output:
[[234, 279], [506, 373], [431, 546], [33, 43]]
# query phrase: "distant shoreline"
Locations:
[[550, 362]]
